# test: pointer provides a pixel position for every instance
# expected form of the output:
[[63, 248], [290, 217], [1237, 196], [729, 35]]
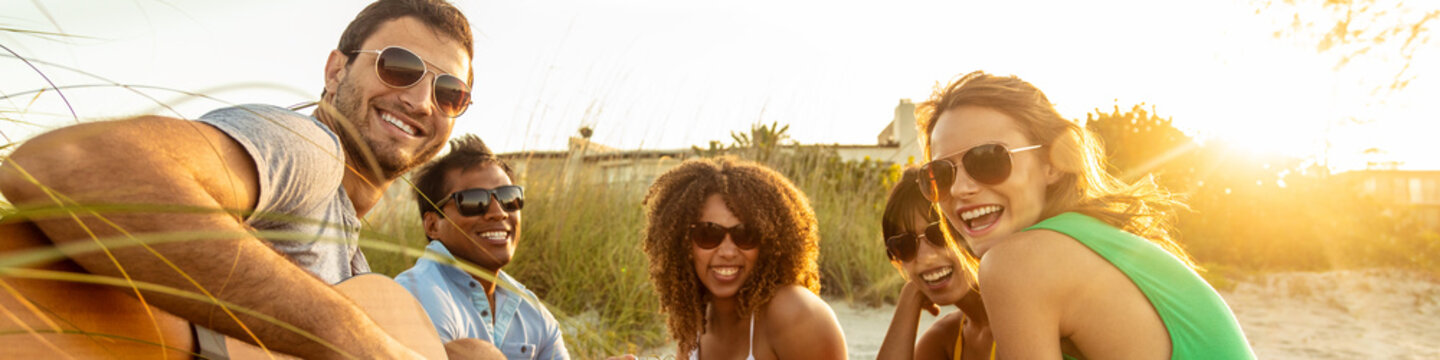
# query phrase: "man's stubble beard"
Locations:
[[359, 149]]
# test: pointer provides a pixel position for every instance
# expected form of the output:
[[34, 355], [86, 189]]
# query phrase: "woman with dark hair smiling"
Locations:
[[733, 250], [936, 274]]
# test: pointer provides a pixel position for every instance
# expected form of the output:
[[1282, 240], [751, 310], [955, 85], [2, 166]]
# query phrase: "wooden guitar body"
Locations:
[[45, 319], [388, 303]]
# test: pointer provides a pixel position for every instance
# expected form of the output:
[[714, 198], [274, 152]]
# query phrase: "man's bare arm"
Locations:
[[162, 161]]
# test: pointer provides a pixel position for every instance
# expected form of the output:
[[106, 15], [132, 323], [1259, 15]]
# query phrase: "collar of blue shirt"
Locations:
[[463, 280]]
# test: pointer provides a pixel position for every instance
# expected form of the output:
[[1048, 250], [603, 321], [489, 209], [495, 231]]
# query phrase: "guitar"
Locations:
[[51, 319]]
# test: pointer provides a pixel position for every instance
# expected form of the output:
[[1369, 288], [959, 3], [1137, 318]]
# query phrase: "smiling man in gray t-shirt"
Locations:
[[299, 166], [285, 190]]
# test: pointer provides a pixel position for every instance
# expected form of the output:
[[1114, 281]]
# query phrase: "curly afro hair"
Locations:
[[763, 200]]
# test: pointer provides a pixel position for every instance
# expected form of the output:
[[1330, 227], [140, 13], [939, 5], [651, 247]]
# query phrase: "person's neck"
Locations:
[[363, 185], [487, 284], [973, 306], [364, 193], [724, 311]]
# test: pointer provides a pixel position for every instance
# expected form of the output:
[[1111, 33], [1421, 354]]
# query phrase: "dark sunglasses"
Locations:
[[474, 202], [902, 247], [987, 164], [398, 67], [708, 235]]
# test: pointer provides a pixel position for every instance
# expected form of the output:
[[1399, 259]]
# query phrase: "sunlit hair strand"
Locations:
[[1141, 208]]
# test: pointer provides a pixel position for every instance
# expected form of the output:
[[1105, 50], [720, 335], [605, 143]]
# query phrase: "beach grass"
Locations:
[[580, 251], [580, 246]]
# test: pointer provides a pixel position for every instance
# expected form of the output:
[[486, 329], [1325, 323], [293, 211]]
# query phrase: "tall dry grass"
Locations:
[[579, 245], [580, 242]]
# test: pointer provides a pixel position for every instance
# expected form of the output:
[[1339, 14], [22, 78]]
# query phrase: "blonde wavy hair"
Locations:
[[1141, 208]]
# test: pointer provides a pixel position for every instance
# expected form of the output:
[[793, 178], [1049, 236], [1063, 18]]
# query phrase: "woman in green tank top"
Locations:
[[1068, 253], [937, 273]]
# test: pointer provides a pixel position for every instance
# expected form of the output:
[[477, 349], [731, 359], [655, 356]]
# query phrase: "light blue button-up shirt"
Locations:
[[458, 307]]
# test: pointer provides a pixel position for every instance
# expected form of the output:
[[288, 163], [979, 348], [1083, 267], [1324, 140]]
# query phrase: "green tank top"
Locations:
[[1201, 325]]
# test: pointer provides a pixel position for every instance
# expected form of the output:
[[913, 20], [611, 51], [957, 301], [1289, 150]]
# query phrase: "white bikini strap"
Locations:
[[752, 336]]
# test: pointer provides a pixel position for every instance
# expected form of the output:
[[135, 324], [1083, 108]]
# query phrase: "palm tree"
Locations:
[[762, 140]]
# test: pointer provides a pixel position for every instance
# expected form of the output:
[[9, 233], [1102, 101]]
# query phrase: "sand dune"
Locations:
[[1370, 314], [1373, 314]]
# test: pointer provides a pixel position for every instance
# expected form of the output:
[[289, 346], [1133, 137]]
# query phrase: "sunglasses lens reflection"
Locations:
[[451, 95], [935, 235], [936, 176], [511, 198], [988, 164], [709, 235], [474, 202], [743, 238], [901, 247], [400, 68]]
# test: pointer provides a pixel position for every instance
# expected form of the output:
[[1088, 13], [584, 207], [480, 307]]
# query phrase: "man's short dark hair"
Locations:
[[466, 152], [439, 15]]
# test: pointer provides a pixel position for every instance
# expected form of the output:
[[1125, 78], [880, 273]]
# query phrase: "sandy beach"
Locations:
[[1369, 314]]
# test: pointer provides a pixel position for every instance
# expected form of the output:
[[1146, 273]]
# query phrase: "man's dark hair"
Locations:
[[440, 15], [466, 152]]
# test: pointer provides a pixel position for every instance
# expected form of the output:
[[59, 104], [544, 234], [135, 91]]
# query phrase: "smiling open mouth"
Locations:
[[495, 237], [937, 276], [397, 123], [982, 218]]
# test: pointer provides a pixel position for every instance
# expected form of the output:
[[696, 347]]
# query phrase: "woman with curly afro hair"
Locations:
[[733, 250]]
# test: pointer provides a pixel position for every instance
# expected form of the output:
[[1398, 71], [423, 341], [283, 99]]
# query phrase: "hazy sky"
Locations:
[[670, 74]]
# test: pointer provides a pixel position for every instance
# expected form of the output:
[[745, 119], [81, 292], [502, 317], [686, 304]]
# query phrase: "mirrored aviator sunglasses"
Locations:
[[475, 202], [902, 247], [988, 164], [399, 67], [708, 235]]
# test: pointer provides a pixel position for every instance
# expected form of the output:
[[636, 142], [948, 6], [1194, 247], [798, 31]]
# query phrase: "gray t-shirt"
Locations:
[[300, 164]]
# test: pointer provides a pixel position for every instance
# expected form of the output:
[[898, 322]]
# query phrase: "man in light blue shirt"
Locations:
[[471, 211]]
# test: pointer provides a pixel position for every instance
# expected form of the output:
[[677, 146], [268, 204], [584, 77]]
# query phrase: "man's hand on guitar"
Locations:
[[472, 349]]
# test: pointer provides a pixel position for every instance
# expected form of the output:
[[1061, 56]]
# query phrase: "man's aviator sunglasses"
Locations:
[[902, 247], [987, 164], [475, 202], [398, 67]]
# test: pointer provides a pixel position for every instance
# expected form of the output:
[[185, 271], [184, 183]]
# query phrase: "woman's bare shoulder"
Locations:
[[940, 338], [795, 301], [800, 325], [1037, 252], [1037, 262], [950, 322]]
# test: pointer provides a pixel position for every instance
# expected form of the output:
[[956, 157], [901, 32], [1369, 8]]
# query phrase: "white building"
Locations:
[[898, 142]]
